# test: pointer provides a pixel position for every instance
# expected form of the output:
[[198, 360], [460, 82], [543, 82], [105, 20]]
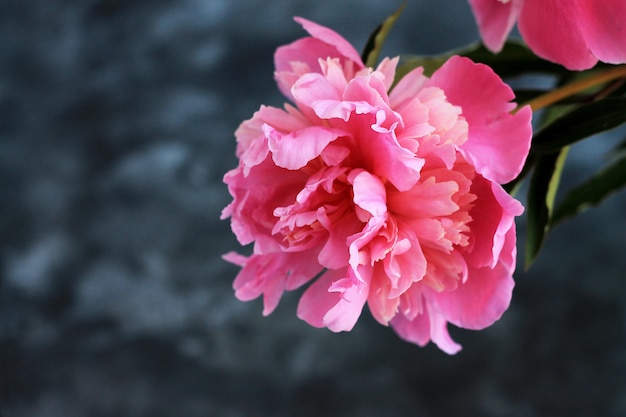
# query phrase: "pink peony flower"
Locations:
[[573, 33], [380, 196]]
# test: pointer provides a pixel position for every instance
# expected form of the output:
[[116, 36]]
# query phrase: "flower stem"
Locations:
[[568, 90]]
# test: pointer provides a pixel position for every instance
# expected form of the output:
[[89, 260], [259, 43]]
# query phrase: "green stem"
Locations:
[[576, 87]]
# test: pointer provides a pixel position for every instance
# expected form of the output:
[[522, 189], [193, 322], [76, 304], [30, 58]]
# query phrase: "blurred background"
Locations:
[[116, 127]]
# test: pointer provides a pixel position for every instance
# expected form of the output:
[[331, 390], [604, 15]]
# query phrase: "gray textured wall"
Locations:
[[116, 126]]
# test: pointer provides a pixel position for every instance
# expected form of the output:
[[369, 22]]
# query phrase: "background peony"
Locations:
[[389, 197], [575, 34]]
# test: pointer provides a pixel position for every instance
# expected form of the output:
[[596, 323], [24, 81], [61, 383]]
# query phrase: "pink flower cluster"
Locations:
[[573, 33], [382, 195]]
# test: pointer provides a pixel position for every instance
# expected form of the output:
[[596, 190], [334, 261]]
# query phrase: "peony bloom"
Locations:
[[380, 196], [573, 33]]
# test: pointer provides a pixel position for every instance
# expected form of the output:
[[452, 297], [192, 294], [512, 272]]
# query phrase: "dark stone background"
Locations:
[[116, 126]]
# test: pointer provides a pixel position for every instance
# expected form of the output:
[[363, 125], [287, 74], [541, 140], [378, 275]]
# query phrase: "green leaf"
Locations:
[[524, 95], [514, 59], [582, 122], [541, 194], [429, 63], [374, 44], [605, 182]]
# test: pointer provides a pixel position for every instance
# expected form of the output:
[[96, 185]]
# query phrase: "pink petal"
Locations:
[[427, 326], [258, 276], [371, 90], [495, 20], [303, 56], [298, 58], [370, 206], [405, 264], [254, 154], [252, 146], [324, 97], [415, 331], [338, 310], [439, 333], [301, 268], [369, 192], [488, 232], [479, 301], [270, 275], [334, 254], [256, 196], [235, 258], [295, 149], [553, 31], [334, 154], [511, 208], [387, 68], [285, 120], [412, 302], [382, 307], [603, 25], [392, 161], [498, 148], [313, 87], [425, 200], [330, 99], [508, 253], [331, 37], [498, 141], [407, 88]]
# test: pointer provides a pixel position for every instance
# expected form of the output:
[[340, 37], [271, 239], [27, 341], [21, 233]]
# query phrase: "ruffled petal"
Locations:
[[392, 161], [294, 150], [387, 70], [498, 141], [270, 275], [425, 327], [369, 192], [407, 88], [415, 331], [381, 305], [312, 88], [479, 301], [370, 208], [334, 300], [488, 232], [303, 56], [299, 58], [331, 37]]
